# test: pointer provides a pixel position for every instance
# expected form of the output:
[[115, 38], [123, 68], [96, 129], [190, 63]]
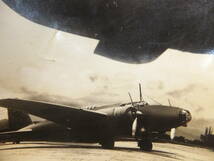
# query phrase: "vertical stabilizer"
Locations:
[[18, 119]]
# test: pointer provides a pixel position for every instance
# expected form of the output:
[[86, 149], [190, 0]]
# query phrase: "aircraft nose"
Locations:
[[185, 117]]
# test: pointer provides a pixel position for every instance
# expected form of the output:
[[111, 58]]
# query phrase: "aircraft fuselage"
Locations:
[[156, 118]]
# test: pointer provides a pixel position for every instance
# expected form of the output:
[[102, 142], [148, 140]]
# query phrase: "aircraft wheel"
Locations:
[[16, 142], [107, 144], [145, 145]]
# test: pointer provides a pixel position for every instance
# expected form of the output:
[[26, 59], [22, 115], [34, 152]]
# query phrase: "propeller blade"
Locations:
[[134, 127], [141, 97], [138, 113], [172, 133], [131, 99]]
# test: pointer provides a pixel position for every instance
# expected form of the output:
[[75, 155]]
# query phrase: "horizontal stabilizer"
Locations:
[[18, 119]]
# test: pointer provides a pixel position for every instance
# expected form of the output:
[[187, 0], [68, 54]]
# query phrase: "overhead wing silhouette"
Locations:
[[133, 31], [64, 115]]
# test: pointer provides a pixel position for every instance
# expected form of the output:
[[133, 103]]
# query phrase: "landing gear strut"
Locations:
[[107, 143]]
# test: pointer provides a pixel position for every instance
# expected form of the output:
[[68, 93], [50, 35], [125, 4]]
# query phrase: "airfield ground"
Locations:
[[124, 151]]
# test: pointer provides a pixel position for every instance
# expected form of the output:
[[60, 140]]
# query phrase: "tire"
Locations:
[[145, 145], [16, 142], [107, 144]]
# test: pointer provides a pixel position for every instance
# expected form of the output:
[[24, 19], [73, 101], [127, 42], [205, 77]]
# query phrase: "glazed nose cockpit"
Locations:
[[185, 117]]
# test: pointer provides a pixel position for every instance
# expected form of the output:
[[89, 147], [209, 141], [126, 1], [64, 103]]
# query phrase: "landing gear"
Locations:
[[16, 142], [145, 142], [145, 145], [107, 143]]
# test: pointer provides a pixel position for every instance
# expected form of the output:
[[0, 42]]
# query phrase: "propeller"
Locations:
[[172, 133], [136, 114]]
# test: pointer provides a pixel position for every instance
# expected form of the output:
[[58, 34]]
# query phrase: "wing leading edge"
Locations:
[[61, 114]]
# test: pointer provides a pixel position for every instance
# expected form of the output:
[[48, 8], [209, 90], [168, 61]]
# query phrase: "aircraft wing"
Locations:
[[122, 32], [61, 114], [127, 29]]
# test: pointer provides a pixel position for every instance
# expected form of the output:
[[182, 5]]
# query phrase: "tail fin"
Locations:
[[18, 119]]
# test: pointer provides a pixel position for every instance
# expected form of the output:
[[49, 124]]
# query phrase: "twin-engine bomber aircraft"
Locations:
[[104, 124], [133, 31]]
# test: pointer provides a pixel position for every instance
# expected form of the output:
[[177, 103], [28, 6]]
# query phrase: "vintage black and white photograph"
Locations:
[[107, 80]]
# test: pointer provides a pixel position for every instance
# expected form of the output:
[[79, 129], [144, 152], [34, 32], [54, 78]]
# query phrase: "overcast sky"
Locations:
[[42, 63]]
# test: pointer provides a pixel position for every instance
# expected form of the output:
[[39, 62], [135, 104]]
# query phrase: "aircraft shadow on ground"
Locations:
[[93, 146]]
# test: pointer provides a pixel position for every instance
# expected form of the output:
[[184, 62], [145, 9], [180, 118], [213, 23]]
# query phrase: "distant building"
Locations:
[[208, 137]]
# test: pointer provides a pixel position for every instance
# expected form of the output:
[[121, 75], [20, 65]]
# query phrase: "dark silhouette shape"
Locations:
[[133, 31]]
